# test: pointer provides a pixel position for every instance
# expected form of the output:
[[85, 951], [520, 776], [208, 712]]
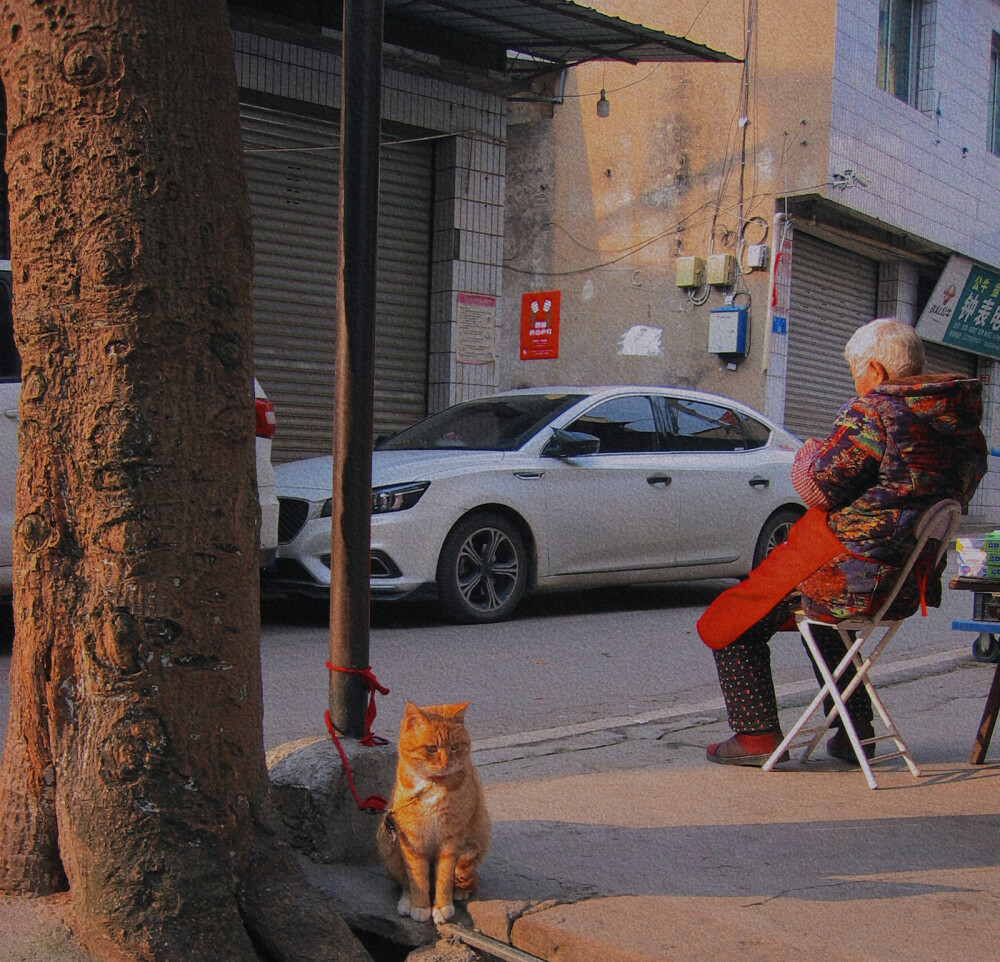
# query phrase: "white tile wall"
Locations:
[[930, 173]]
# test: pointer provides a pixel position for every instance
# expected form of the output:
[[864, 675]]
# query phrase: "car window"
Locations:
[[623, 425], [756, 434], [487, 424], [697, 426]]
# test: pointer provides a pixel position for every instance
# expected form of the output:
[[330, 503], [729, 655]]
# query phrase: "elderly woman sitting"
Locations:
[[906, 441]]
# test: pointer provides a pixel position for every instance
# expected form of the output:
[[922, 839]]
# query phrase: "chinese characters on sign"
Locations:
[[539, 325], [964, 310], [475, 329]]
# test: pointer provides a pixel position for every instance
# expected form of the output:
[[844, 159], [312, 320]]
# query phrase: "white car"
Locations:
[[552, 488], [10, 388]]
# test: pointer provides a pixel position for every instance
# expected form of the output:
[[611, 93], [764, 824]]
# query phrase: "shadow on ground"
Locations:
[[311, 612]]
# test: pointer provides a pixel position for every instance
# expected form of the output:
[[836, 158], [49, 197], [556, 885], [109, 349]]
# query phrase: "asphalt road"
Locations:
[[568, 659]]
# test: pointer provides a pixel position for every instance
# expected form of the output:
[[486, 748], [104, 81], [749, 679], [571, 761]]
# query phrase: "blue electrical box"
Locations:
[[727, 331]]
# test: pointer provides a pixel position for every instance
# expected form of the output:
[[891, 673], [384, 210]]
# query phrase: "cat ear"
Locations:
[[458, 711], [412, 714]]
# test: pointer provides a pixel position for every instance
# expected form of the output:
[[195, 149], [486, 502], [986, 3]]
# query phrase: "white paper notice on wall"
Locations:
[[642, 341], [475, 328]]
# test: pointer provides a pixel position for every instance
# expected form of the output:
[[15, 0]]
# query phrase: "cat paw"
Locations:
[[460, 895], [442, 913], [403, 905], [421, 915]]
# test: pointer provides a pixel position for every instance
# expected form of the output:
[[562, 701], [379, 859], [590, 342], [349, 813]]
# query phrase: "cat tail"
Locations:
[[389, 850], [466, 877]]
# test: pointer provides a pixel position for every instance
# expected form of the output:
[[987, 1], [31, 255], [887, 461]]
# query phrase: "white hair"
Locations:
[[891, 343]]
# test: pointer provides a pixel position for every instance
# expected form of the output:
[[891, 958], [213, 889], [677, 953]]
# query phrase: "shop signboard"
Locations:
[[964, 310]]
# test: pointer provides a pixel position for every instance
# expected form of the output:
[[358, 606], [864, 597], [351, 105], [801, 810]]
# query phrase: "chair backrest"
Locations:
[[938, 523]]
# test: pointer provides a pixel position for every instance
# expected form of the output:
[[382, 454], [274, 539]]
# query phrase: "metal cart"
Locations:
[[986, 621], [985, 615]]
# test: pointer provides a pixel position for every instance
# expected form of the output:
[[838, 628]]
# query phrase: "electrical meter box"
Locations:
[[757, 256], [690, 272], [727, 331], [721, 269]]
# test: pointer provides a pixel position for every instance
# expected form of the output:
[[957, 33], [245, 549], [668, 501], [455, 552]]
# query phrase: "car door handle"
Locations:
[[758, 482], [529, 475], [11, 413], [662, 479]]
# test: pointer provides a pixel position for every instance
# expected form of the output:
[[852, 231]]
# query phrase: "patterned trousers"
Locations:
[[745, 673]]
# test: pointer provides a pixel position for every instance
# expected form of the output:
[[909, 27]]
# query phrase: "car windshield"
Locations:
[[486, 424]]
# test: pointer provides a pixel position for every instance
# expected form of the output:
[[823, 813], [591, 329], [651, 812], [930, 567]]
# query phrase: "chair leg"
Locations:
[[830, 689], [794, 731], [862, 669], [840, 708], [893, 732]]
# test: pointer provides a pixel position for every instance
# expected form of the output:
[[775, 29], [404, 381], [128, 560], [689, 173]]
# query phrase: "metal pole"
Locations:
[[354, 370]]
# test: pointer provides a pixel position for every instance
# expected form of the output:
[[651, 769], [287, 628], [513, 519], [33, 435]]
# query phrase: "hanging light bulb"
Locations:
[[603, 107]]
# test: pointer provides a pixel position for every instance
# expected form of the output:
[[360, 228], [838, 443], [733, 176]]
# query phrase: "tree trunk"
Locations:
[[133, 767]]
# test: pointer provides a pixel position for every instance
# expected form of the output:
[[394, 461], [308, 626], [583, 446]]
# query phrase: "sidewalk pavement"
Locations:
[[625, 845], [620, 843]]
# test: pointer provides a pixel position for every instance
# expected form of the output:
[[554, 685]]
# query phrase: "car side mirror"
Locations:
[[570, 444]]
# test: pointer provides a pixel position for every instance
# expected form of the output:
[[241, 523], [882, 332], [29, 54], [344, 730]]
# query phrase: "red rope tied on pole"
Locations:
[[370, 712], [373, 803]]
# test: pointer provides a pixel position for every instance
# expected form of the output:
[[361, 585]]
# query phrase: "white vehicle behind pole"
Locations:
[[551, 488], [10, 387]]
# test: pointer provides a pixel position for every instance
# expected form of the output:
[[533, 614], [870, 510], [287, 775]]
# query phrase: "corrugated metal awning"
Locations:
[[535, 34], [507, 36]]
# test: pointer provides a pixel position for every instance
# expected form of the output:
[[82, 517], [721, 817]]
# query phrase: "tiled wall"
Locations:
[[928, 168], [469, 127], [929, 171], [986, 503], [467, 257]]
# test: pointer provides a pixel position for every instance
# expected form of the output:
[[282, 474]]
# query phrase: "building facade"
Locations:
[[728, 226], [441, 208]]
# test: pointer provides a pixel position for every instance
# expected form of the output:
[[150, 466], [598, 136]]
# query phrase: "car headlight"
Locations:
[[397, 497]]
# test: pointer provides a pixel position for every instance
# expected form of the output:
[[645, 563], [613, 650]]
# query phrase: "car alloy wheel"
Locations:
[[775, 532], [483, 570]]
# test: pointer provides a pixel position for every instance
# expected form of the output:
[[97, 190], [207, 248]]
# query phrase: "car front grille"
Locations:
[[292, 514]]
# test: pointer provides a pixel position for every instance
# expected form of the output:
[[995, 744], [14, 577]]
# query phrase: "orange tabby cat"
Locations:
[[437, 829]]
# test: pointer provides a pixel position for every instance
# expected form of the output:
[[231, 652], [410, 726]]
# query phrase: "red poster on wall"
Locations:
[[539, 325]]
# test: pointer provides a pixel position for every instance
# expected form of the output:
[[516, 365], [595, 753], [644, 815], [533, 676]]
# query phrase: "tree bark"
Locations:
[[133, 768]]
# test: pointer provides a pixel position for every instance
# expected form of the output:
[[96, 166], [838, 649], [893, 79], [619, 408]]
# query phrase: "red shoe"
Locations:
[[748, 750]]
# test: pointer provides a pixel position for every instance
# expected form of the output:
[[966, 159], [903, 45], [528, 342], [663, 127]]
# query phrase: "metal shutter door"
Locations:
[[292, 178], [404, 269], [942, 359], [834, 292]]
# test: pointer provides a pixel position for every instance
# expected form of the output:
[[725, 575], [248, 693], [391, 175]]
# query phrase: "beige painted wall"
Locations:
[[600, 208]]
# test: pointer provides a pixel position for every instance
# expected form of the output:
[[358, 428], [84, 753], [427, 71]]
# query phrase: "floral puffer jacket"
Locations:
[[892, 454]]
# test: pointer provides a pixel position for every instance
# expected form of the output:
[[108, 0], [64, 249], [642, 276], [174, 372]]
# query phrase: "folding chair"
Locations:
[[872, 633]]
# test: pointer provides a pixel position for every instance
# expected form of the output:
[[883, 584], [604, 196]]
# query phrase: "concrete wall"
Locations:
[[601, 208]]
